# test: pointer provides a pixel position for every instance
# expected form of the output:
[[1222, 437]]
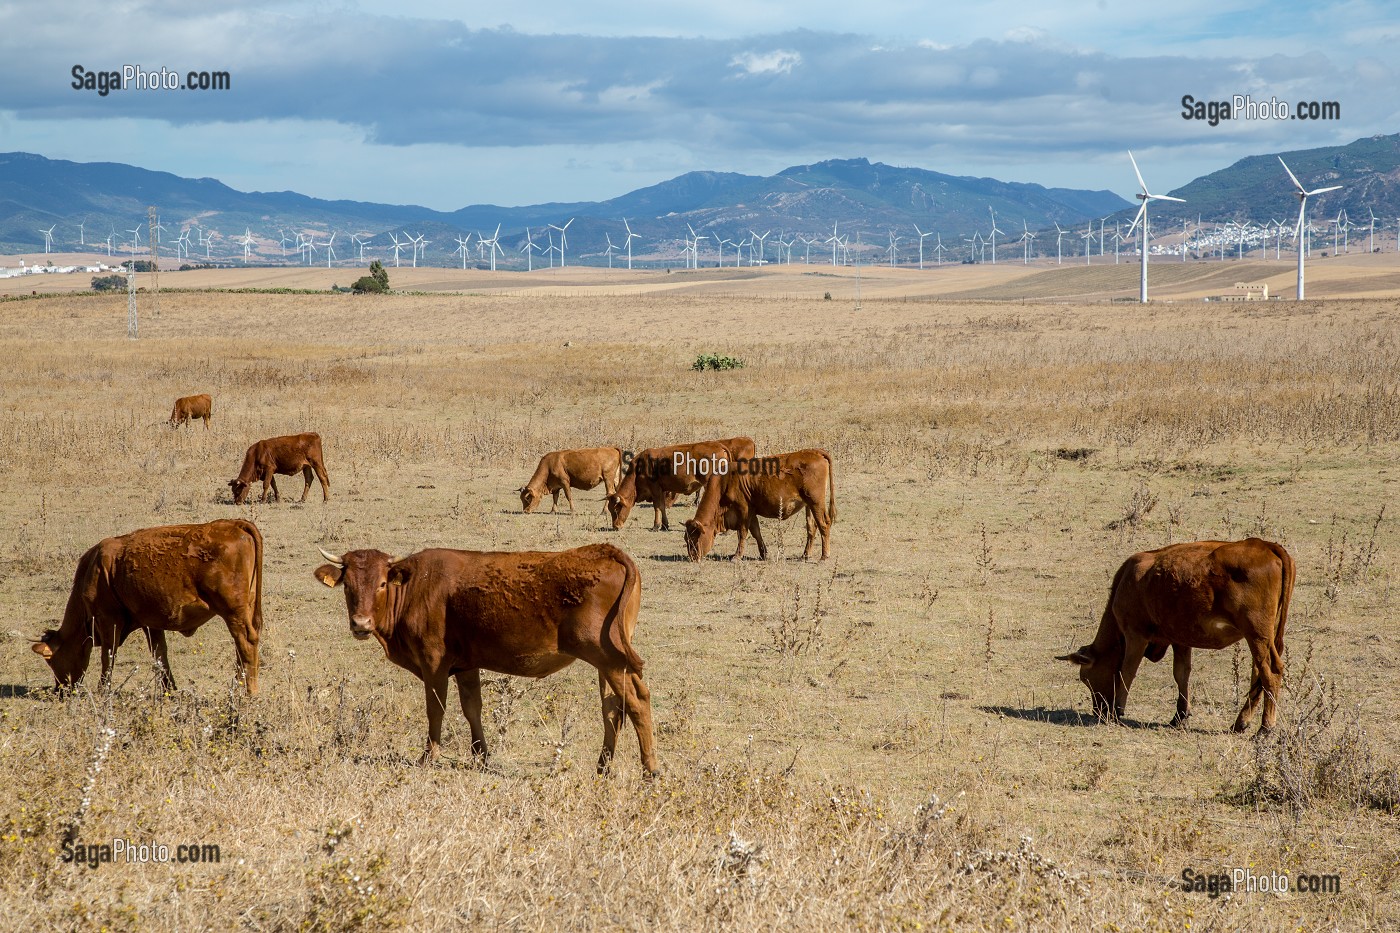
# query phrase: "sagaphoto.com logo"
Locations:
[[136, 78], [1245, 107]]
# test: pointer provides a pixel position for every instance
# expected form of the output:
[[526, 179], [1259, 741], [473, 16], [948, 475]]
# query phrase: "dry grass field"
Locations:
[[881, 741]]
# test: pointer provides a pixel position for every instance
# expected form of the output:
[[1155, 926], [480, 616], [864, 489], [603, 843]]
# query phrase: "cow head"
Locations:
[[67, 657], [528, 498], [619, 509], [1099, 670], [240, 490], [699, 538], [367, 576]]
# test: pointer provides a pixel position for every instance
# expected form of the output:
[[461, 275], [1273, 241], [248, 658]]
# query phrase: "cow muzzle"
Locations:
[[362, 628]]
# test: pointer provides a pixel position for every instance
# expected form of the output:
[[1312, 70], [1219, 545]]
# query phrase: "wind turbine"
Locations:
[[247, 243], [83, 242], [564, 240], [922, 237], [995, 231], [492, 246], [182, 244], [529, 250], [628, 242], [462, 248], [833, 241], [1027, 238], [397, 246], [48, 239], [419, 246], [1303, 195], [607, 236], [1370, 239], [1141, 217], [361, 242], [893, 249], [1088, 238], [282, 241], [1059, 235], [939, 248], [330, 249], [110, 237], [760, 239], [135, 238]]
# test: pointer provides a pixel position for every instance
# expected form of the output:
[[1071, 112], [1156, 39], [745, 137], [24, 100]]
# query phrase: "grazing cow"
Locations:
[[654, 477], [286, 455], [441, 614], [168, 579], [580, 469], [191, 407], [768, 487], [1202, 594]]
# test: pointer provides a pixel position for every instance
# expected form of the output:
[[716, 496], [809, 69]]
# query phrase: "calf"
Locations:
[[191, 407], [289, 455], [770, 487], [580, 469]]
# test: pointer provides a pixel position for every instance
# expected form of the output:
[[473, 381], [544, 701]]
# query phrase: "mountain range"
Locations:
[[852, 196]]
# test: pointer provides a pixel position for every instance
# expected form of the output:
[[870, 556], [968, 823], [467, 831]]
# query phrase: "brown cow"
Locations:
[[286, 455], [191, 406], [168, 579], [1202, 594], [581, 469], [441, 614], [770, 487], [654, 476]]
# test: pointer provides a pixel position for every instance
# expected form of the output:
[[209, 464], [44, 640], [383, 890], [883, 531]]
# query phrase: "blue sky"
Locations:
[[445, 105]]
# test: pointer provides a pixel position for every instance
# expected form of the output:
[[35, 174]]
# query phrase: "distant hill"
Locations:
[[859, 196], [1257, 188]]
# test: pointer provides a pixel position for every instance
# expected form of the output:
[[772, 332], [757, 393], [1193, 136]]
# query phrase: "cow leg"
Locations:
[[270, 480], [325, 480], [435, 693], [1133, 650], [660, 516], [469, 691], [555, 507], [206, 422], [758, 537], [636, 697], [245, 626], [156, 639], [613, 711], [1181, 671], [821, 518], [568, 496], [1264, 685], [743, 534], [306, 474]]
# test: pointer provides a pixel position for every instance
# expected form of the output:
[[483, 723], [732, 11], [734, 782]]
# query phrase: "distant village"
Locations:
[[10, 272]]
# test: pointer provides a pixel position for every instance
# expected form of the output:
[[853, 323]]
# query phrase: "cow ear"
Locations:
[[42, 649], [398, 575], [1084, 655], [329, 574]]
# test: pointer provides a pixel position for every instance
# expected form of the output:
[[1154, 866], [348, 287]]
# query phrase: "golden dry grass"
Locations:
[[811, 710]]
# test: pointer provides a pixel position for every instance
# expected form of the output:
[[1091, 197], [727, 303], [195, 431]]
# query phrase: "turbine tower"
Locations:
[[462, 248], [564, 240], [628, 242], [397, 246], [529, 250], [48, 239], [1298, 232], [1141, 217], [922, 237], [1059, 235], [995, 231], [330, 249]]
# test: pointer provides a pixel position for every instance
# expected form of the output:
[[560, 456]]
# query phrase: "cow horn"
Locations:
[[331, 557]]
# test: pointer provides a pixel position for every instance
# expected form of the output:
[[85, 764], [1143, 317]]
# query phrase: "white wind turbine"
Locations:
[[207, 241], [1088, 238], [462, 248], [1370, 239], [282, 241], [834, 241], [110, 237], [182, 244], [1059, 235], [529, 250], [922, 236], [1299, 232], [330, 249], [48, 238], [1141, 218], [893, 250], [939, 248], [397, 247], [995, 231], [361, 242], [492, 246], [419, 246], [607, 236], [81, 236], [135, 238], [564, 240], [628, 242], [308, 247], [760, 239], [247, 241], [719, 243], [1027, 238]]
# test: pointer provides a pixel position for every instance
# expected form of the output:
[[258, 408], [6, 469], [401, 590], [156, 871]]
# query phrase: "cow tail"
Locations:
[[617, 631], [255, 585], [1285, 595], [830, 487]]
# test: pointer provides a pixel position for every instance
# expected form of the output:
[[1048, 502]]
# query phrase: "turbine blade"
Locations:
[[1141, 210], [1322, 190], [1291, 175], [1136, 172]]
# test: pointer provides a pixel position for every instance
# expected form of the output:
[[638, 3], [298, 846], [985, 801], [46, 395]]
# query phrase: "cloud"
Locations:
[[779, 61]]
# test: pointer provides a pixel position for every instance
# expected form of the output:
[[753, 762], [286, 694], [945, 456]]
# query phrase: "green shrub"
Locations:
[[714, 361]]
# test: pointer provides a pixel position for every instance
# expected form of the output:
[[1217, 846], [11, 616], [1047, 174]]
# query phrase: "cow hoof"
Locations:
[[1179, 722]]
